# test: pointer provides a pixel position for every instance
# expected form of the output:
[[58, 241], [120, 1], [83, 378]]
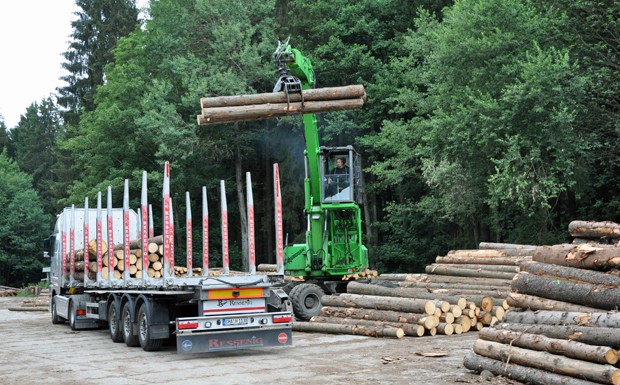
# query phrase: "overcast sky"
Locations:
[[33, 35]]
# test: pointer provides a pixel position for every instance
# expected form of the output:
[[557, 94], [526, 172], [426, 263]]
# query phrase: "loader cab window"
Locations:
[[340, 178]]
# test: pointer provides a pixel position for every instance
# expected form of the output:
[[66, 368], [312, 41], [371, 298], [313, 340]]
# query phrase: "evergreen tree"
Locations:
[[5, 143]]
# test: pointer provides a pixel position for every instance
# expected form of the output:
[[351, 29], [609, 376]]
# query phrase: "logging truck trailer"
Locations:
[[110, 276]]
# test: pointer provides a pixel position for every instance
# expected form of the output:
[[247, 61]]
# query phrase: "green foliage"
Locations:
[[22, 226]]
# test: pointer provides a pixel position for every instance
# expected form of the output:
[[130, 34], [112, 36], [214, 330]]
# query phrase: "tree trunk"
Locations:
[[408, 305], [572, 349], [409, 329], [588, 229], [510, 261], [520, 373], [315, 94], [571, 273], [548, 317], [428, 321], [239, 183], [592, 336], [533, 302], [434, 278], [585, 256], [548, 361], [597, 296], [455, 271], [477, 267], [475, 253], [369, 331], [504, 246]]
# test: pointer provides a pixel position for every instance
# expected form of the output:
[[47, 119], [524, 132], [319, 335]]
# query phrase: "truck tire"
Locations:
[[306, 299], [56, 319], [144, 335], [114, 324], [72, 314], [131, 338]]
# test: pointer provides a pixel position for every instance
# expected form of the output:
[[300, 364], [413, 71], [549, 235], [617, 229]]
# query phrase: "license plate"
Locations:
[[235, 321]]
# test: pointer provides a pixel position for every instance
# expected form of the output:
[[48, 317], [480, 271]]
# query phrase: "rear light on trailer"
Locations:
[[185, 325], [280, 319], [81, 312]]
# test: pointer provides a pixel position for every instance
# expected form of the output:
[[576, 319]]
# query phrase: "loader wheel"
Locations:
[[131, 338], [114, 323], [56, 319], [306, 299]]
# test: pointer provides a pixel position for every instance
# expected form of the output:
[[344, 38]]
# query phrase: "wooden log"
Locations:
[[137, 243], [411, 330], [598, 296], [571, 273], [572, 349], [380, 315], [468, 273], [533, 302], [218, 115], [408, 305], [465, 323], [314, 94], [454, 286], [446, 318], [348, 329], [477, 253], [436, 278], [547, 361], [589, 229], [508, 261], [445, 328], [546, 317], [585, 256], [266, 267], [524, 374], [157, 266], [592, 336], [478, 267], [505, 246], [92, 247], [153, 248]]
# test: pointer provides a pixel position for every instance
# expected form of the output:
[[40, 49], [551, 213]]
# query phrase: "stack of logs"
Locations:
[[154, 267], [7, 291], [563, 327]]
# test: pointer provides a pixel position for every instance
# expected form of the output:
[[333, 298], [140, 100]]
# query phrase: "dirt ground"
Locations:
[[34, 351]]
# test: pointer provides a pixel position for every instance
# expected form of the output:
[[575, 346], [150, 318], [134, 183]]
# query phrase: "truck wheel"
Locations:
[[72, 314], [130, 338], [56, 320], [114, 324], [144, 335], [306, 299]]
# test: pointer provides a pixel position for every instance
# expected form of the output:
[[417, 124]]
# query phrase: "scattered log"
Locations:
[[604, 320], [408, 305], [589, 229], [468, 273], [572, 349], [409, 329], [586, 256], [592, 336], [520, 373], [547, 361], [598, 296], [425, 320], [571, 273], [348, 329], [533, 302]]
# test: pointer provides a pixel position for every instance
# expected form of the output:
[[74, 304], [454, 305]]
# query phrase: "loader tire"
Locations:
[[306, 299]]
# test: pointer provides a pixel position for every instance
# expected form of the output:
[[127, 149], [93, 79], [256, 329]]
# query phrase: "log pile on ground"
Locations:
[[563, 327], [594, 232], [7, 291]]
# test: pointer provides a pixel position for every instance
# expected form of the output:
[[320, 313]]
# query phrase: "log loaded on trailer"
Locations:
[[109, 269]]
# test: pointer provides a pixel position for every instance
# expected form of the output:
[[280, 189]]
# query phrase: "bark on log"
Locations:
[[585, 256], [509, 261], [477, 267], [548, 361], [408, 305], [468, 273], [544, 317], [218, 115], [266, 267], [572, 349], [314, 94], [454, 286], [435, 278], [505, 246], [598, 296], [137, 243], [532, 302], [425, 320], [409, 329], [477, 253], [592, 336], [589, 229], [520, 373], [571, 273], [348, 329]]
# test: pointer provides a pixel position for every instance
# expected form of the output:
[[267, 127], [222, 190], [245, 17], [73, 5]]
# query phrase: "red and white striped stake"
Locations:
[[72, 243], [166, 205], [86, 256], [63, 249], [251, 238], [126, 240], [151, 226], [144, 226], [224, 206], [278, 216], [111, 259], [99, 238], [171, 271], [205, 233], [188, 222]]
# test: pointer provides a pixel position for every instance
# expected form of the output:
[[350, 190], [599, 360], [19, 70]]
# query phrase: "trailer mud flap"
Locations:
[[233, 340]]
